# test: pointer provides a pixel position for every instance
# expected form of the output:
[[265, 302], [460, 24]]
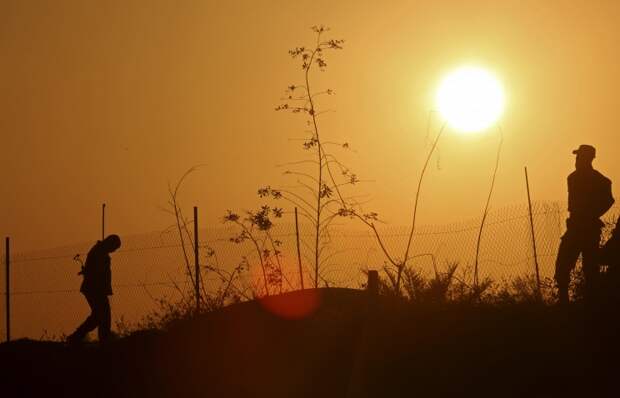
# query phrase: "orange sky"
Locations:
[[110, 101]]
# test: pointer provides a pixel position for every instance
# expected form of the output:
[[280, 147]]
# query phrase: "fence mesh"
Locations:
[[45, 298]]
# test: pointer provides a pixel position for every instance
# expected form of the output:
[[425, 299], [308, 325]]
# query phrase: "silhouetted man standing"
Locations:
[[96, 287], [589, 197]]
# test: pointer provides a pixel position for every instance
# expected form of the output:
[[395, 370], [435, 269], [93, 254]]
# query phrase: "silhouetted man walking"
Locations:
[[96, 287], [589, 197]]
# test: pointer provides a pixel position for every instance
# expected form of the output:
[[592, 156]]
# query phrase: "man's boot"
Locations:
[[81, 332], [75, 338]]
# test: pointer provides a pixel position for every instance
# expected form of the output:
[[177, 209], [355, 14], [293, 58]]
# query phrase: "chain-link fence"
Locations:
[[45, 298]]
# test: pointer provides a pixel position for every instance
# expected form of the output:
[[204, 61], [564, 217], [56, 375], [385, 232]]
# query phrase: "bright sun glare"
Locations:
[[470, 99]]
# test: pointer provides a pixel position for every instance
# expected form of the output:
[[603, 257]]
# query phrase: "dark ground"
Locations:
[[347, 348]]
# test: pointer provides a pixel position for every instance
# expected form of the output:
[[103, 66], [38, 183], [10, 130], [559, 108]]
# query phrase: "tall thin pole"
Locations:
[[301, 273], [103, 221], [8, 289], [196, 263], [529, 203]]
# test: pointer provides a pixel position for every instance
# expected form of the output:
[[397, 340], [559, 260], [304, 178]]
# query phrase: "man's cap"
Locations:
[[587, 150]]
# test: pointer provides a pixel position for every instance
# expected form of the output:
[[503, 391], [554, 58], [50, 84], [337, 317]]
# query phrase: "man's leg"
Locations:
[[88, 325], [591, 263], [105, 319], [568, 253], [101, 315]]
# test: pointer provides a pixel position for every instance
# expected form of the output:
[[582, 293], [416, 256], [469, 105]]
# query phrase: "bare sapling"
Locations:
[[320, 196], [230, 289], [321, 178], [255, 228], [486, 206]]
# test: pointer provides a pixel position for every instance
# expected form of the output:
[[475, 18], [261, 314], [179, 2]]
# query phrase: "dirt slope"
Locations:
[[348, 347]]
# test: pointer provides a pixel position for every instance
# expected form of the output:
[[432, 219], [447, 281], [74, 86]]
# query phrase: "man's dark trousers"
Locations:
[[100, 317], [576, 241]]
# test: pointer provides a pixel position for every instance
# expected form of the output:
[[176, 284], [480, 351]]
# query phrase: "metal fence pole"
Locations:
[[103, 221], [8, 289], [301, 274], [196, 262], [373, 283], [529, 203]]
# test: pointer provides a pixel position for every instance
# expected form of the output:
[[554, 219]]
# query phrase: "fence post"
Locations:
[[196, 262], [373, 283], [103, 221], [301, 274], [529, 203], [8, 289]]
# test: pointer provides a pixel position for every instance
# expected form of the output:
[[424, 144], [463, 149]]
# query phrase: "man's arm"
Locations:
[[605, 198]]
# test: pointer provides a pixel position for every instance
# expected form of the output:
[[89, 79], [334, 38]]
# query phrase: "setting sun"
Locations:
[[470, 99]]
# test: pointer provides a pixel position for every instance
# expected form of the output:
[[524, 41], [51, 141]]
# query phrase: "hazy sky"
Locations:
[[109, 101]]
